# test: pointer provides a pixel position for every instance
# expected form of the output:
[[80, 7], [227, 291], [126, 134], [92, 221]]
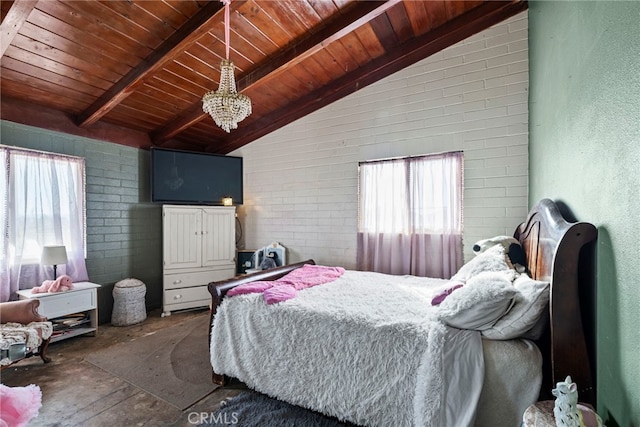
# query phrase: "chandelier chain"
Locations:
[[226, 106]]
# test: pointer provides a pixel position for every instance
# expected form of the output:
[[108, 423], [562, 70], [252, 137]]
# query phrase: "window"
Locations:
[[410, 215], [44, 205]]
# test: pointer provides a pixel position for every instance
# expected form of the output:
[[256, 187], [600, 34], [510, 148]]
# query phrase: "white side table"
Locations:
[[58, 307]]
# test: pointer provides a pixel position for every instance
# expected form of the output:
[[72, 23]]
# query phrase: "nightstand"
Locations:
[[540, 414], [72, 313]]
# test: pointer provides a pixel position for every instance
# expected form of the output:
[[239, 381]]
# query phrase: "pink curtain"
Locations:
[[426, 255], [410, 215]]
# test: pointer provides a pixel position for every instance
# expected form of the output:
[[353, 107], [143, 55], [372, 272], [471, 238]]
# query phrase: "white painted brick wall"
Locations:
[[300, 182]]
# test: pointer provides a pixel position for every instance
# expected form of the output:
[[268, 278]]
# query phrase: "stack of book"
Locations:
[[68, 322]]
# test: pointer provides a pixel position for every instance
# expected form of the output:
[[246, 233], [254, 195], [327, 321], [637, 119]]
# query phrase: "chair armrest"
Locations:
[[22, 311]]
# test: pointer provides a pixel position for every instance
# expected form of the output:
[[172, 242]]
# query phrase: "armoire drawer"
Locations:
[[177, 296], [185, 280]]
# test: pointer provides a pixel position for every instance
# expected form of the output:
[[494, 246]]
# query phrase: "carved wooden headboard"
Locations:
[[562, 253]]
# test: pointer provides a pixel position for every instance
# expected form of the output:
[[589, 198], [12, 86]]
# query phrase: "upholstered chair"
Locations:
[[23, 331]]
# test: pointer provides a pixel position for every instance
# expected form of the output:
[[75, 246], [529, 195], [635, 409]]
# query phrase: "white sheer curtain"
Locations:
[[44, 205], [410, 215]]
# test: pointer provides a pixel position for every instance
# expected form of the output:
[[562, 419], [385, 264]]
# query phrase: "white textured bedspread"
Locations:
[[359, 348]]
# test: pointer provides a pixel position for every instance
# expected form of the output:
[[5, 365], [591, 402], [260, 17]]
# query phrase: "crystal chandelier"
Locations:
[[226, 106]]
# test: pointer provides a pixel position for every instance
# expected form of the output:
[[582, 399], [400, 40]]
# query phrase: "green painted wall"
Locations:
[[124, 230], [584, 131]]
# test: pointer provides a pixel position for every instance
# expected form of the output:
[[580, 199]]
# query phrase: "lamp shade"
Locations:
[[53, 255]]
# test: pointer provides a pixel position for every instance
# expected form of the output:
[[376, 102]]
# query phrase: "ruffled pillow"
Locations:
[[485, 298], [531, 300]]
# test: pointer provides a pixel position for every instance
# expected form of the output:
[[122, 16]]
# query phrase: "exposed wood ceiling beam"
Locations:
[[11, 24], [175, 45], [383, 29], [466, 25], [358, 15], [30, 114]]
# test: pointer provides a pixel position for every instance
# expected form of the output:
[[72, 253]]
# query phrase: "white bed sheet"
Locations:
[[513, 376], [363, 348]]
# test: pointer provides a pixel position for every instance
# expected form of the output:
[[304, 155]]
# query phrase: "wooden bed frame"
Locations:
[[558, 251], [563, 253]]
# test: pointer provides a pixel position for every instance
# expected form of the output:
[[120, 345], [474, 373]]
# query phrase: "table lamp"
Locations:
[[53, 255]]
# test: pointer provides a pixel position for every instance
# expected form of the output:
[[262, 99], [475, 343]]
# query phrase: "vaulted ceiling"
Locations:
[[134, 72]]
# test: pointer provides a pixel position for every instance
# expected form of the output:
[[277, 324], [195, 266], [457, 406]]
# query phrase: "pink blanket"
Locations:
[[287, 287], [19, 405]]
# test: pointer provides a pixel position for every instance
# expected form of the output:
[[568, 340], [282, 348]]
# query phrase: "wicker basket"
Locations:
[[128, 302]]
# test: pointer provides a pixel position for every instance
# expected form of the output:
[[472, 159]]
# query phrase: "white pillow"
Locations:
[[493, 259], [530, 303], [484, 299]]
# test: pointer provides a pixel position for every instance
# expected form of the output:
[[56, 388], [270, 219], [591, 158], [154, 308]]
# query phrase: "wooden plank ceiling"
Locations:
[[134, 72]]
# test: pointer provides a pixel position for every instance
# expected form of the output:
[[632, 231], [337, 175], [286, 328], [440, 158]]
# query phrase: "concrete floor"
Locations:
[[77, 393]]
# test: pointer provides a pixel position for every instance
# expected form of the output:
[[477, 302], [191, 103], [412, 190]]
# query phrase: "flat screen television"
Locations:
[[186, 177]]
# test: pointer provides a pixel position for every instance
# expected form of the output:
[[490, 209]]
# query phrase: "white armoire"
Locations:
[[198, 247]]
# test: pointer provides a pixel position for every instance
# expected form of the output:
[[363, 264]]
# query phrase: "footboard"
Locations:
[[218, 290]]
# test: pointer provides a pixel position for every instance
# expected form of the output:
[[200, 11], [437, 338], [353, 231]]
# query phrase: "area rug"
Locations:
[[172, 364], [251, 409]]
